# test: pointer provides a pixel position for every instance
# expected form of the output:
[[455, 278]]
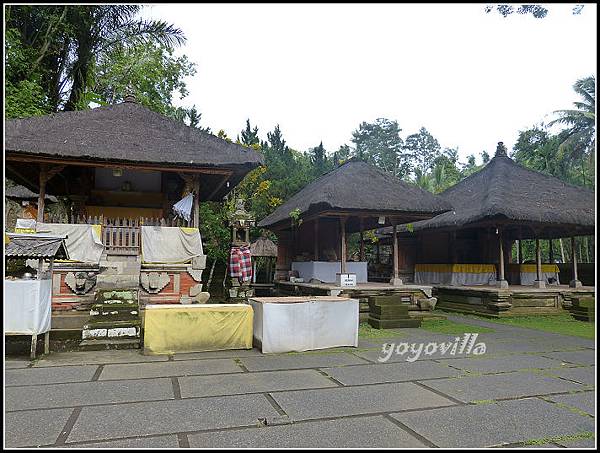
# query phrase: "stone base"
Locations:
[[393, 323], [502, 284], [575, 284], [539, 284], [396, 282]]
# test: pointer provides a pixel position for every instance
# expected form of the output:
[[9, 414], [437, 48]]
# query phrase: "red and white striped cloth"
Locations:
[[240, 263]]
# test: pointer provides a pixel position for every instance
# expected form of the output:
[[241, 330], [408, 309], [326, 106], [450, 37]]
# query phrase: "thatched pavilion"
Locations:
[[312, 226], [122, 168], [500, 204]]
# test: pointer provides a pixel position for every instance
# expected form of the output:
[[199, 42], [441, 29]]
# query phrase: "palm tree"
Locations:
[[66, 41], [98, 28], [580, 138]]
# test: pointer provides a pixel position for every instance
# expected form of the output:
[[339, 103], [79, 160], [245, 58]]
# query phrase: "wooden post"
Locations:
[[33, 346], [362, 240], [196, 209], [343, 249], [42, 194], [520, 251], [539, 283], [551, 250], [378, 253], [575, 283], [396, 281], [502, 283], [316, 241]]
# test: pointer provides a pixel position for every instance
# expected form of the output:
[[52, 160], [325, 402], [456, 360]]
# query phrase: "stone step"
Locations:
[[113, 343], [393, 323], [121, 308], [100, 322]]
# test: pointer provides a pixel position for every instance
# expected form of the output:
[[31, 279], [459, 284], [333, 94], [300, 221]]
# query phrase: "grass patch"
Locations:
[[453, 328], [563, 324], [366, 331], [545, 440]]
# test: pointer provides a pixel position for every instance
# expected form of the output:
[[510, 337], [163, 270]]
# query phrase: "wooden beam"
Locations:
[[396, 263], [112, 164], [575, 282], [343, 240], [362, 240], [196, 209], [223, 181], [42, 192], [538, 260], [501, 257], [316, 240]]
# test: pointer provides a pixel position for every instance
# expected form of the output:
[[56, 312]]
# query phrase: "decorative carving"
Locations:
[[196, 274], [80, 282], [154, 282]]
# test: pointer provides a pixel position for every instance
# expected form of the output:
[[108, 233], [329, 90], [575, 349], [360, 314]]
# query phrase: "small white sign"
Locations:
[[346, 280]]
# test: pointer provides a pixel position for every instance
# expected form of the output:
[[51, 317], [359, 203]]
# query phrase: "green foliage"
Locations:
[[423, 150], [380, 144], [59, 47], [213, 228], [563, 324], [148, 71]]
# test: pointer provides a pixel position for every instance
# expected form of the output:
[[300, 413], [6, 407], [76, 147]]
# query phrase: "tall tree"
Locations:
[[65, 43], [580, 138], [250, 135], [149, 71], [380, 144], [319, 160], [422, 148]]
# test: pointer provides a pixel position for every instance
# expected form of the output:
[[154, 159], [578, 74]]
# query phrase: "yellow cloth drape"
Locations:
[[456, 268], [195, 328], [531, 268]]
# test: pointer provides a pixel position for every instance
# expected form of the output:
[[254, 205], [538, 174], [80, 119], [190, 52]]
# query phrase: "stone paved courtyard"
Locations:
[[530, 388]]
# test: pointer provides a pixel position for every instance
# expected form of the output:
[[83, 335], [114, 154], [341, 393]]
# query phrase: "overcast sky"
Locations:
[[471, 78]]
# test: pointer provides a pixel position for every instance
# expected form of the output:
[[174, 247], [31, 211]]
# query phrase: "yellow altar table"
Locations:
[[526, 274], [455, 274], [174, 328]]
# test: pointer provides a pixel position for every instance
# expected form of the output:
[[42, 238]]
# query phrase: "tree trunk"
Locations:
[[210, 275]]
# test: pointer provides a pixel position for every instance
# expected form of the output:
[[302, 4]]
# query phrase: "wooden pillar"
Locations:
[[551, 250], [343, 244], [502, 283], [42, 194], [316, 241], [378, 252], [362, 240], [196, 209], [396, 273], [520, 251], [575, 283], [539, 282]]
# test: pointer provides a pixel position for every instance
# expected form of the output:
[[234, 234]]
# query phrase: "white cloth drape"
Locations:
[[170, 244], [27, 306], [304, 326], [325, 271], [83, 241]]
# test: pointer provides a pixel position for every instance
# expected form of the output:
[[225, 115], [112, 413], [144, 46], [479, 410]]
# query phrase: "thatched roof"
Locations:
[[358, 186], [506, 193], [125, 132], [35, 246], [23, 193], [263, 247]]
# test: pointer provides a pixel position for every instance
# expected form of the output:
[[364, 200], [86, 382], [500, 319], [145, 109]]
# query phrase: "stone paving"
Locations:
[[531, 388]]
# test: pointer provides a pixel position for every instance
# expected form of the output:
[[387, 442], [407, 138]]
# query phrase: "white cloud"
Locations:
[[471, 78]]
